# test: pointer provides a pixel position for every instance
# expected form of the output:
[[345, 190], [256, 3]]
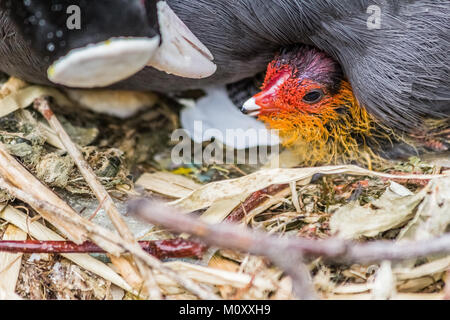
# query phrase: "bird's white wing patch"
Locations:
[[215, 116]]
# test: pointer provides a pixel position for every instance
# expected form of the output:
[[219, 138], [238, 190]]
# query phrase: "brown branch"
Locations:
[[229, 236], [43, 106], [162, 249], [226, 235], [110, 238], [285, 251]]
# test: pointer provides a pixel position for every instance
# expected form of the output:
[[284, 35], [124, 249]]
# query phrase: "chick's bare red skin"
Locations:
[[306, 96], [299, 79]]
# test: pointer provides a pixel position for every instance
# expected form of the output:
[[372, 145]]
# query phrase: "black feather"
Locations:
[[400, 72]]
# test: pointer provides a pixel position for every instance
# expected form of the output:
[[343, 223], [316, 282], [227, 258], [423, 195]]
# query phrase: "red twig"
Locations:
[[259, 243], [418, 182], [162, 249], [255, 199], [229, 236], [288, 252]]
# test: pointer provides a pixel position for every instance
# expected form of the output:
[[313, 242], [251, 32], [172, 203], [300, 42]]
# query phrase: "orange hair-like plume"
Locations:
[[334, 132]]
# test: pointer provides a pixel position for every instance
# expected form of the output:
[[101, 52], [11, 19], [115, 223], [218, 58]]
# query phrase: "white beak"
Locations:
[[251, 108], [181, 53]]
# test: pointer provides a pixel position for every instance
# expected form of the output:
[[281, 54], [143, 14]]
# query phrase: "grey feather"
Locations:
[[400, 72]]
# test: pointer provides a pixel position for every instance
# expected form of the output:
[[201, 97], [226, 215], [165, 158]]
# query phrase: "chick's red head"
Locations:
[[307, 99], [299, 79]]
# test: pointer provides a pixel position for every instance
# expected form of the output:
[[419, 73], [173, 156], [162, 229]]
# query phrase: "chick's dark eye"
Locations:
[[313, 96]]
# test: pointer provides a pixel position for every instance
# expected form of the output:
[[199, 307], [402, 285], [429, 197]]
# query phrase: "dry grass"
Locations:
[[122, 151]]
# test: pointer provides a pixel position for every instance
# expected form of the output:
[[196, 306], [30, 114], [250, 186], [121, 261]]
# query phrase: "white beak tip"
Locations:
[[251, 108]]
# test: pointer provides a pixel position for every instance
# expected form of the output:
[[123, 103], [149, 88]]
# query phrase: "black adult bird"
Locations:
[[394, 54], [87, 44]]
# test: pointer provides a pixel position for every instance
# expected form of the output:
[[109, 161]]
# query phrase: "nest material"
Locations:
[[120, 151]]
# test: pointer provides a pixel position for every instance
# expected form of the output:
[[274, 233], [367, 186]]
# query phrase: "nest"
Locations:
[[130, 159]]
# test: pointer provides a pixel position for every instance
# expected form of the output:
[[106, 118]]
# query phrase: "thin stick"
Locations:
[[260, 243], [284, 251], [161, 249], [113, 239], [42, 105]]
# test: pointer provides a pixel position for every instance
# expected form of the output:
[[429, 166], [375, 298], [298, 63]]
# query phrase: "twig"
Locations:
[[162, 249], [254, 200], [228, 236], [100, 205], [112, 239], [42, 105], [225, 235], [287, 251], [13, 172]]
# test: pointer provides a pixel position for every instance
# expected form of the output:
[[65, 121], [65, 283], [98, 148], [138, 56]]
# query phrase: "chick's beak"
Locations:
[[181, 53], [263, 102], [251, 108]]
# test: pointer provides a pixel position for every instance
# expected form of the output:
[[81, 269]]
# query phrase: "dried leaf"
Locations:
[[432, 219], [383, 287], [25, 97], [389, 211], [208, 194], [221, 209], [10, 262], [40, 232], [168, 184], [433, 215]]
